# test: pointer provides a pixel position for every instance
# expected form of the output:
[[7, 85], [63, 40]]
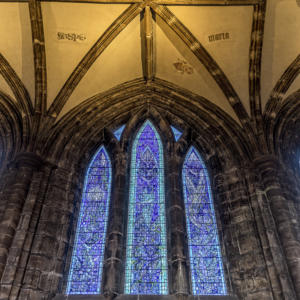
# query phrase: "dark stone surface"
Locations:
[[256, 200], [143, 297]]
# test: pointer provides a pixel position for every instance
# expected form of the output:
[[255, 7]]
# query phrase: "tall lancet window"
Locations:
[[146, 270], [86, 266], [207, 275]]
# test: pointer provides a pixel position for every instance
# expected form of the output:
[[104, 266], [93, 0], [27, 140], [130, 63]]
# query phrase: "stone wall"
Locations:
[[256, 201], [259, 263]]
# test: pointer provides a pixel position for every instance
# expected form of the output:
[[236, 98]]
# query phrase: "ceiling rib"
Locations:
[[16, 85], [208, 2], [204, 57], [40, 70], [103, 42], [147, 44], [282, 86], [274, 103], [165, 2], [255, 53], [38, 44]]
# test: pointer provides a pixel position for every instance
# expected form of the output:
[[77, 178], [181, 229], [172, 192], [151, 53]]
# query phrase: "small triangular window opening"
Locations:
[[118, 132], [177, 133]]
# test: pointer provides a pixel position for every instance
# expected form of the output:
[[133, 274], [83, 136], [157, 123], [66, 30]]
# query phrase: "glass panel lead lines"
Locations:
[[204, 249], [86, 265], [146, 253]]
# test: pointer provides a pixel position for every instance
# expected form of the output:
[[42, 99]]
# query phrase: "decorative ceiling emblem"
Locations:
[[183, 67]]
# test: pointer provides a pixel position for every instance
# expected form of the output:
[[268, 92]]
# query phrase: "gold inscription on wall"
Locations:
[[71, 36], [218, 37]]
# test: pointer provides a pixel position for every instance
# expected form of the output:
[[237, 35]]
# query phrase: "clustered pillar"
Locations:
[[22, 182], [283, 211]]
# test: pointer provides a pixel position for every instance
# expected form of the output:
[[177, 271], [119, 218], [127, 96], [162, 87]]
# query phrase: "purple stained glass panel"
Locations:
[[86, 265], [146, 253], [207, 274]]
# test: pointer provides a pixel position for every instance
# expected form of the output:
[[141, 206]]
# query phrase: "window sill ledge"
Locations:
[[143, 297]]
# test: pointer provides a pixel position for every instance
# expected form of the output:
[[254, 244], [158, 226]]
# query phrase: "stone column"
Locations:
[[114, 250], [280, 280], [245, 266], [15, 191], [19, 251], [178, 245], [49, 244], [282, 210]]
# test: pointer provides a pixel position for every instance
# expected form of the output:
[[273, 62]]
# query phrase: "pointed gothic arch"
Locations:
[[85, 275], [206, 269], [172, 154], [146, 270]]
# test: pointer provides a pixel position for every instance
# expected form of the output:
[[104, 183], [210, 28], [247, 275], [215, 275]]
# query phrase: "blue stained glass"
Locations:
[[204, 248], [86, 265], [118, 132], [177, 133], [146, 270]]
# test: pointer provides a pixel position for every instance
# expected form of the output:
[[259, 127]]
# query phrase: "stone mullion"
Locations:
[[114, 251], [16, 192], [269, 170], [179, 283], [19, 251]]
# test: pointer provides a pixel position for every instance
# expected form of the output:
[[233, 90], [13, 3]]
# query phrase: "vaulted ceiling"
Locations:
[[237, 54]]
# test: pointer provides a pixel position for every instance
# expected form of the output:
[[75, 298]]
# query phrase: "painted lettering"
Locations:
[[218, 37], [75, 37]]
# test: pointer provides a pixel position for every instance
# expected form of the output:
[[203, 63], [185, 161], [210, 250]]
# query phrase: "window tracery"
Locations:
[[87, 260], [146, 267], [204, 248]]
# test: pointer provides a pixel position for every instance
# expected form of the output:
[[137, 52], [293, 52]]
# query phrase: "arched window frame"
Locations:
[[79, 225], [124, 147], [213, 216], [161, 174]]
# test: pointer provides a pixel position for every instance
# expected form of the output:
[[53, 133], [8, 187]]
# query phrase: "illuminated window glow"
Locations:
[[206, 267], [146, 252], [118, 132], [86, 266], [176, 132]]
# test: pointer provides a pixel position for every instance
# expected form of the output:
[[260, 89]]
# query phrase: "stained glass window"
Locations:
[[86, 265], [207, 274], [118, 132], [146, 252], [177, 133]]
